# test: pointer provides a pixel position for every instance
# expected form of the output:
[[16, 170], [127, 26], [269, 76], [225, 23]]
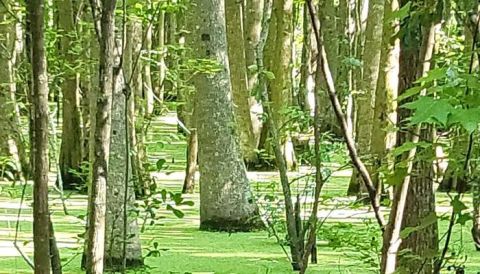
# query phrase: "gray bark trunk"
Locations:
[[226, 202], [119, 175]]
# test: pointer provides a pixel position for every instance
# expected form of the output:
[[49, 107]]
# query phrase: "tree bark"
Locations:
[[414, 199], [41, 235], [192, 152], [365, 99], [278, 59], [11, 144], [226, 202], [96, 207], [71, 147], [239, 79], [119, 178], [252, 27], [385, 114]]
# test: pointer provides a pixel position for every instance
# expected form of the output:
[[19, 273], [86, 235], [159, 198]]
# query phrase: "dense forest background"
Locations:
[[239, 136]]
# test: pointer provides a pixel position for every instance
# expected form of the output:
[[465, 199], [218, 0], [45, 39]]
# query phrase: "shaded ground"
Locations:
[[348, 241]]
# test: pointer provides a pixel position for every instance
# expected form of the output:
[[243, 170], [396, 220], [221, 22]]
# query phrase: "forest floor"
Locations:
[[349, 240]]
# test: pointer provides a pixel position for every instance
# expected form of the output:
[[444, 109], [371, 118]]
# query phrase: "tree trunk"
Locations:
[[96, 206], [226, 203], [328, 22], [120, 225], [365, 99], [239, 80], [162, 68], [11, 145], [414, 200], [192, 152], [41, 235], [278, 59], [71, 147], [385, 114], [147, 74], [252, 27]]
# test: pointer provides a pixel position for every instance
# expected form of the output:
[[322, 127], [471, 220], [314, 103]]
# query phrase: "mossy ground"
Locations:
[[183, 248]]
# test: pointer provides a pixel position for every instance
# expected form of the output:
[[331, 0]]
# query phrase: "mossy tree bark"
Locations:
[[226, 202], [239, 79], [71, 147]]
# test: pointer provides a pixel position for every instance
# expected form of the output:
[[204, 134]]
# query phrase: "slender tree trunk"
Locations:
[[328, 22], [97, 200], [239, 80], [252, 27], [11, 144], [71, 147], [365, 99], [41, 235], [226, 202], [278, 59], [162, 68], [192, 152], [147, 70], [385, 114]]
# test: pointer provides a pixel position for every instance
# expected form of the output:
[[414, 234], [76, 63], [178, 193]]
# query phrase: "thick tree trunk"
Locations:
[[226, 202], [71, 147], [101, 148], [41, 235], [118, 228], [414, 201], [239, 80]]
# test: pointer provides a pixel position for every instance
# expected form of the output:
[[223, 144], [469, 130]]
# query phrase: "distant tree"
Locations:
[[71, 147], [239, 78], [11, 145], [226, 202]]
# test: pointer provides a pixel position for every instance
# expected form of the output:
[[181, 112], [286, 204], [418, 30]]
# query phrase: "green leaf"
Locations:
[[457, 205], [467, 118], [433, 75], [462, 219], [429, 110], [397, 177], [175, 211], [401, 13], [160, 163], [409, 93], [426, 222], [407, 146], [268, 74]]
